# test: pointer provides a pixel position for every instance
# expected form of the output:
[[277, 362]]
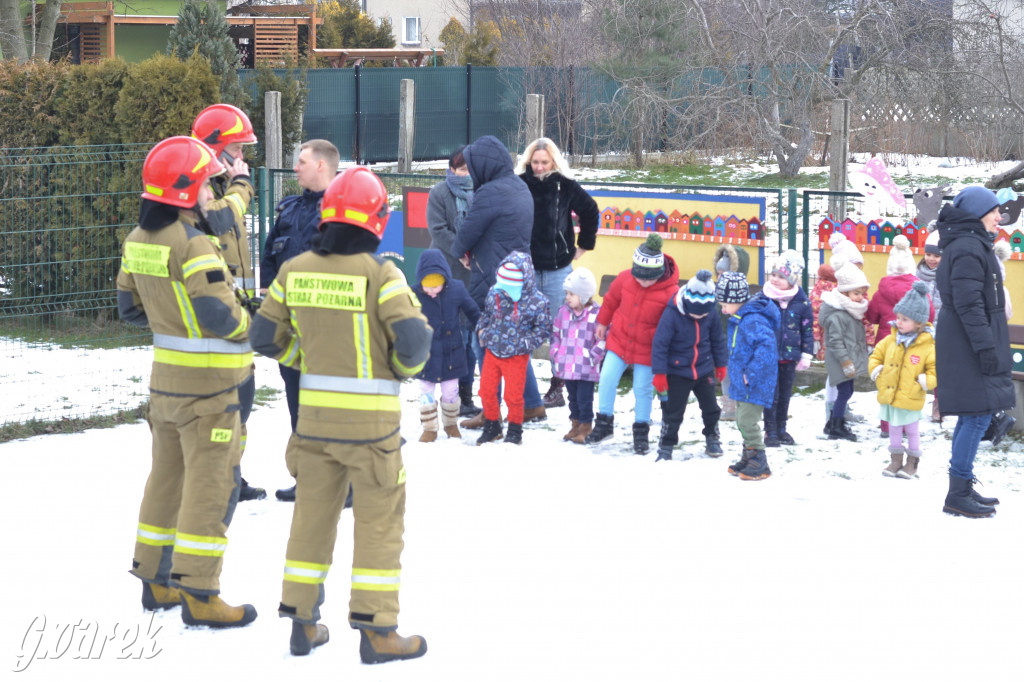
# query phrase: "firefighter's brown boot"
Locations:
[[428, 419], [379, 647], [158, 597], [305, 638], [210, 610], [450, 419], [573, 430]]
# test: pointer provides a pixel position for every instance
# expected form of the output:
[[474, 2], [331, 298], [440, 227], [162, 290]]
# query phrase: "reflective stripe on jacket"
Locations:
[[354, 327], [200, 333]]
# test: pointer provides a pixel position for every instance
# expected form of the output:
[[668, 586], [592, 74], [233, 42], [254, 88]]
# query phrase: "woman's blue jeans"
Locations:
[[966, 437]]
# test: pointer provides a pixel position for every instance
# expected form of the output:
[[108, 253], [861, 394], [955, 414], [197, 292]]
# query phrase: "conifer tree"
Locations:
[[202, 27]]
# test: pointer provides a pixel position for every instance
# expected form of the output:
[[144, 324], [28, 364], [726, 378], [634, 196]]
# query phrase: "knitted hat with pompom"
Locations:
[[648, 260]]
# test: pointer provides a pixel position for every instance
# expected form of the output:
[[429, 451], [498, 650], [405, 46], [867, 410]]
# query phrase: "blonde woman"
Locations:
[[554, 244]]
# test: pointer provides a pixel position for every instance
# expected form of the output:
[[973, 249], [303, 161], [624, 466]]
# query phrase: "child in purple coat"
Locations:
[[576, 352]]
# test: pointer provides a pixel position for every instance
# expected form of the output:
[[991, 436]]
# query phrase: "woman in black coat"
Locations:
[[554, 244], [972, 343]]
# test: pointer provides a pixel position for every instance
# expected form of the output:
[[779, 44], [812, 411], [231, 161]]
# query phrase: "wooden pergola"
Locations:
[[341, 58], [275, 27]]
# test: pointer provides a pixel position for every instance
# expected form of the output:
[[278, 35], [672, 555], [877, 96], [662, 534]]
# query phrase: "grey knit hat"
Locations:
[[732, 288], [788, 265], [648, 260], [582, 283], [698, 296], [914, 303]]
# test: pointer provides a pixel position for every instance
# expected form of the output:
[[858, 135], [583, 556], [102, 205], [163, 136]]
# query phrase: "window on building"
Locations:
[[410, 30]]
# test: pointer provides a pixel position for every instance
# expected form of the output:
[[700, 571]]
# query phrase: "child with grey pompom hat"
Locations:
[[903, 368]]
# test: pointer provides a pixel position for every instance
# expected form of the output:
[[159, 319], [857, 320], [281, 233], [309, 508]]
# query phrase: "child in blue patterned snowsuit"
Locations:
[[752, 339], [796, 341]]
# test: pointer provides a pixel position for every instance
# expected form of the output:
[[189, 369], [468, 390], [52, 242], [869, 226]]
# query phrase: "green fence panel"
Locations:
[[64, 212]]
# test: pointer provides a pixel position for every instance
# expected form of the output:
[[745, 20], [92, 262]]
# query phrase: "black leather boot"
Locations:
[[959, 501], [466, 406]]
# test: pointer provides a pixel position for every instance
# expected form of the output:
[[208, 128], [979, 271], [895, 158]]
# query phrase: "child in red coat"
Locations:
[[628, 319]]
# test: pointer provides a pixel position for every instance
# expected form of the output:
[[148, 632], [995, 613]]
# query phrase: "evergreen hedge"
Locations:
[[64, 211]]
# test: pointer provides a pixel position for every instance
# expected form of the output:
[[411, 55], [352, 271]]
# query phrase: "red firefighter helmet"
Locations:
[[176, 168], [219, 125], [357, 197]]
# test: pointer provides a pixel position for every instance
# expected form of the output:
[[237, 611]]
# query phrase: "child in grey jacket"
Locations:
[[846, 349]]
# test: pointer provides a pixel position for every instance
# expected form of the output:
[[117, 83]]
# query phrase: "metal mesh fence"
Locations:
[[64, 213]]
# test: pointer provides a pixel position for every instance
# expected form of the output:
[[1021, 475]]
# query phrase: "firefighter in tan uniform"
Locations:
[[226, 130], [173, 280], [350, 323]]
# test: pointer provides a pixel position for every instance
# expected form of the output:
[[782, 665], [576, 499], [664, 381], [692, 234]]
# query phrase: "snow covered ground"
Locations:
[[548, 561]]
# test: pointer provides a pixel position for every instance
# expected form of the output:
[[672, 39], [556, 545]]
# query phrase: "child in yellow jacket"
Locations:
[[903, 368]]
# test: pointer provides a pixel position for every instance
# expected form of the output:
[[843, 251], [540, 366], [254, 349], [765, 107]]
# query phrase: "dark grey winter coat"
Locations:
[[972, 319], [442, 211], [500, 217]]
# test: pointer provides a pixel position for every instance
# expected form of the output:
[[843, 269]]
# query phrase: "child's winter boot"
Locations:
[[664, 444], [736, 467], [305, 638], [896, 463], [210, 610], [641, 431], [428, 420], [757, 467], [603, 428], [784, 437], [584, 430], [514, 434], [381, 647], [573, 430], [450, 419], [837, 430], [771, 439], [909, 470], [159, 597], [712, 445], [491, 432]]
